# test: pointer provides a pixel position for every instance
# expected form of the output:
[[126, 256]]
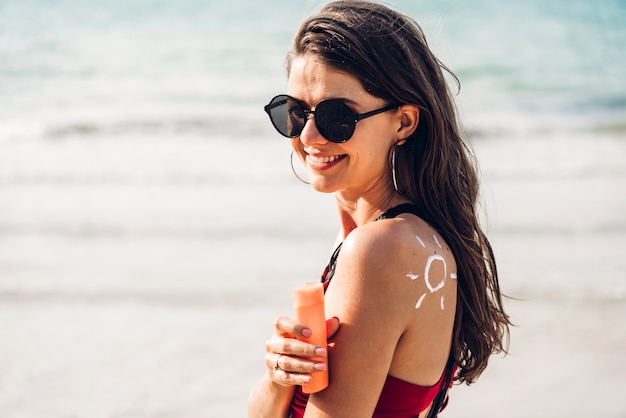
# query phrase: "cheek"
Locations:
[[370, 161], [376, 153], [297, 149], [296, 145], [379, 161], [376, 141]]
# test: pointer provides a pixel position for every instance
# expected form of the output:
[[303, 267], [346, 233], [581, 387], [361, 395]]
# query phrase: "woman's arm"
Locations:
[[269, 399], [285, 367]]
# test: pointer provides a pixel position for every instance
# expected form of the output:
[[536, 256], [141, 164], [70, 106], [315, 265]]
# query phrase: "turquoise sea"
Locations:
[[201, 67]]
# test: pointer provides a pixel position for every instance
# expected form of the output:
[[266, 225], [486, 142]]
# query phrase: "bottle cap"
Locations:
[[308, 294]]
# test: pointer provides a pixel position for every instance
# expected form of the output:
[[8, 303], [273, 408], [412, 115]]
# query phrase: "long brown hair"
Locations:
[[388, 53]]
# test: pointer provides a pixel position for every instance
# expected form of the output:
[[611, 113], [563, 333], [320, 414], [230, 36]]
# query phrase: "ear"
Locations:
[[409, 117]]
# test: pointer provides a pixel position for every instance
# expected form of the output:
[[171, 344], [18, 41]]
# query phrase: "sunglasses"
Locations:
[[334, 120]]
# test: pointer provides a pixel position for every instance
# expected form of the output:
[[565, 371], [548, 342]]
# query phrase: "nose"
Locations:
[[310, 135]]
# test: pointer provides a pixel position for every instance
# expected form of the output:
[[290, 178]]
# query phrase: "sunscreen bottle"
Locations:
[[309, 310]]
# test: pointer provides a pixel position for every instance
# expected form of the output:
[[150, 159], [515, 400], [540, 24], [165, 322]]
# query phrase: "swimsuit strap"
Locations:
[[441, 399], [397, 210], [329, 271]]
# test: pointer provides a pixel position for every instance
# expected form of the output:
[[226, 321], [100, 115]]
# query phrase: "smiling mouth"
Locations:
[[325, 160]]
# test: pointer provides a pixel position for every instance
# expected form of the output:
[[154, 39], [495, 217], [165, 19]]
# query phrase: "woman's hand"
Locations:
[[286, 357]]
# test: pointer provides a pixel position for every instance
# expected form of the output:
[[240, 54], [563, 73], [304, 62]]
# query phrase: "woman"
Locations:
[[414, 281]]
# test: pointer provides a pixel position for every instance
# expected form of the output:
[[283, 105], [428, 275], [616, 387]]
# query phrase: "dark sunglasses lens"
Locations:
[[335, 121], [286, 115]]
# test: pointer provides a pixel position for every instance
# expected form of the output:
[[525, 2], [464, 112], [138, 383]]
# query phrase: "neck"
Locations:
[[357, 212]]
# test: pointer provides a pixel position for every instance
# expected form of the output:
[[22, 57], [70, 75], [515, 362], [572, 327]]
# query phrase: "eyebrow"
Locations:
[[339, 99], [347, 101]]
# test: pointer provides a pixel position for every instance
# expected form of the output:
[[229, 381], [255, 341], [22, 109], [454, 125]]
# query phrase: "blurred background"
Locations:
[[151, 228]]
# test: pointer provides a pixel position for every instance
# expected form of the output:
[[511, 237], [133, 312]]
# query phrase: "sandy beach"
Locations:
[[144, 359]]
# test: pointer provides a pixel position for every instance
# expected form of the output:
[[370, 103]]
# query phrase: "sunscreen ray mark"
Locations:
[[420, 241], [437, 241], [442, 303], [419, 301], [453, 276], [412, 276]]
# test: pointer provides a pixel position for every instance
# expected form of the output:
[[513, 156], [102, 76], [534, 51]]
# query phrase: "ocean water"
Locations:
[[150, 226], [71, 68]]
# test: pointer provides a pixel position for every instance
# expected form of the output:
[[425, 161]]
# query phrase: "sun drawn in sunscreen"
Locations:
[[437, 285]]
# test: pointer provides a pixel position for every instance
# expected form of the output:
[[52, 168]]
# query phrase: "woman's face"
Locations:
[[358, 166]]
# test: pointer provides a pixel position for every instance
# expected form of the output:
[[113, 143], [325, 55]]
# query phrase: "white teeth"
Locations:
[[320, 160]]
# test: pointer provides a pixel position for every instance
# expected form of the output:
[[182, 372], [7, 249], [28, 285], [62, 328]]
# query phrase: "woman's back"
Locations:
[[394, 289]]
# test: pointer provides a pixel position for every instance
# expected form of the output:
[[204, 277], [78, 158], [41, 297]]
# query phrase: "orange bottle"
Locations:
[[309, 310]]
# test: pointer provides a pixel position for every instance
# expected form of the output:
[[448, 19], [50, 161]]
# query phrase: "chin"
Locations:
[[323, 186]]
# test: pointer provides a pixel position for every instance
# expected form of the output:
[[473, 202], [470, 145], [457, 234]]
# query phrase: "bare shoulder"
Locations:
[[398, 243], [402, 259]]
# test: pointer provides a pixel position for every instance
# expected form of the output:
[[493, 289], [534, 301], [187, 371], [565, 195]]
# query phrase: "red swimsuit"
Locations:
[[399, 399]]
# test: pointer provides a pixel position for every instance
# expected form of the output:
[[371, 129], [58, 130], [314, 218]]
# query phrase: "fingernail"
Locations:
[[320, 351], [319, 366], [306, 332]]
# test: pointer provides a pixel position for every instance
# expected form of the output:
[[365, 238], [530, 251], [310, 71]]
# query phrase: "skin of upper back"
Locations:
[[395, 291]]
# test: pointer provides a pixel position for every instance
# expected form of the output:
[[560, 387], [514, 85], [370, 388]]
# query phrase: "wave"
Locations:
[[206, 299], [478, 124], [617, 127], [561, 231], [194, 232], [196, 127], [121, 178]]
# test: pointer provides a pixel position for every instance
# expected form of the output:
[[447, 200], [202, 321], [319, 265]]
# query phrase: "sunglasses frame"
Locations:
[[282, 99]]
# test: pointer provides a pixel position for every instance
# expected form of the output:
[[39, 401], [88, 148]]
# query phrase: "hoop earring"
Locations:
[[393, 168], [293, 169]]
